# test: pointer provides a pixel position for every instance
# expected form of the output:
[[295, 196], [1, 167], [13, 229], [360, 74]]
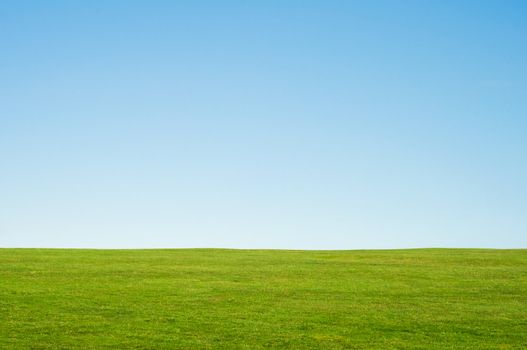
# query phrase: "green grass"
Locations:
[[261, 299]]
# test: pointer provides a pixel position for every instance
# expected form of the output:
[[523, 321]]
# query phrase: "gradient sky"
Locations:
[[263, 124]]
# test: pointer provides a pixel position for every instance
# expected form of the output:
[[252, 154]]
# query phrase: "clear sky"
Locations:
[[263, 124]]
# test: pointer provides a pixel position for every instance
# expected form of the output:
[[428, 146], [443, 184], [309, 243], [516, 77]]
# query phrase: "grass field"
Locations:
[[258, 299]]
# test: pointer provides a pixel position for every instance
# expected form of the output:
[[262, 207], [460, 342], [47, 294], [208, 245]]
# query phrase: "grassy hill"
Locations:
[[261, 299]]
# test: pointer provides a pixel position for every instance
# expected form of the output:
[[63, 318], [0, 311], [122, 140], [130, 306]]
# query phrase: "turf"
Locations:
[[263, 299]]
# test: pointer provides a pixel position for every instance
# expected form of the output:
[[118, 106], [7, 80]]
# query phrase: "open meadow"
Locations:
[[262, 299]]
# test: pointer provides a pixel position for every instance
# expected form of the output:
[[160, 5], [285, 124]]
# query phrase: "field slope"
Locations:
[[262, 299]]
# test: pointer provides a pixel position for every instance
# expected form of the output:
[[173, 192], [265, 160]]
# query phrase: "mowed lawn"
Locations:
[[263, 299]]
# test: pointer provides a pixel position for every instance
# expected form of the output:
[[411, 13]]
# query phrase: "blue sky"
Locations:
[[271, 124]]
